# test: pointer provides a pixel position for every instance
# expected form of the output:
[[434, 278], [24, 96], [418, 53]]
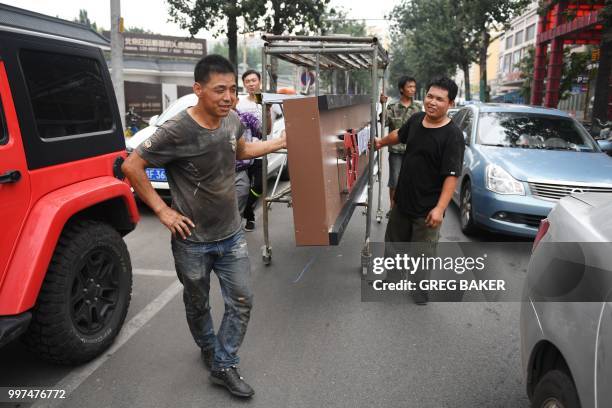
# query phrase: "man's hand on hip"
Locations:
[[176, 222]]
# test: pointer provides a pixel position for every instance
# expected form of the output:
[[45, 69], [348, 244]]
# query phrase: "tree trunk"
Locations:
[[466, 79], [602, 83], [277, 29], [484, 92], [232, 39], [273, 74]]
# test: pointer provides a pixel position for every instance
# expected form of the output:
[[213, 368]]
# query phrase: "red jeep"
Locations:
[[65, 272]]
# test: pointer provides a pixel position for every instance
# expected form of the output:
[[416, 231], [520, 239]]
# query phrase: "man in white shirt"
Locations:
[[251, 81]]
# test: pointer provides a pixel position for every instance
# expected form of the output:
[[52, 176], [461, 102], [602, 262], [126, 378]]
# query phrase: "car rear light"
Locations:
[[544, 225]]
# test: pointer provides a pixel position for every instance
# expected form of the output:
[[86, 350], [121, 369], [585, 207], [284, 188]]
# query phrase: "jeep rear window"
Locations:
[[68, 94]]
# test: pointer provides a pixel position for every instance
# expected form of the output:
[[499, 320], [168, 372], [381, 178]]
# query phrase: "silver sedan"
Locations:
[[566, 316]]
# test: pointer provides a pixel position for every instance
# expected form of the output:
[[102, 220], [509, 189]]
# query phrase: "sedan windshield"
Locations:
[[533, 131]]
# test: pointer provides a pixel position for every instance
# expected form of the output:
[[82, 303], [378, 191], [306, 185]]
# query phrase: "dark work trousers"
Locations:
[[410, 235], [243, 188], [256, 189]]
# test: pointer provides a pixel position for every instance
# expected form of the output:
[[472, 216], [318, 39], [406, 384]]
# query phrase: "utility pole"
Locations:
[[244, 49], [117, 56]]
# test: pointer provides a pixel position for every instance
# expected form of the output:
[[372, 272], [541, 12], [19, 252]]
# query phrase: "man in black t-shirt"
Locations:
[[431, 166]]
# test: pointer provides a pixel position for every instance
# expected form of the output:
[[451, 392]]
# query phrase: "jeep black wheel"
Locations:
[[85, 295], [95, 291]]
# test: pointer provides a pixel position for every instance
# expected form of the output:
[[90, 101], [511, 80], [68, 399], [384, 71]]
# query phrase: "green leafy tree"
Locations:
[[575, 65], [408, 59], [275, 16], [463, 42], [429, 40], [84, 19], [285, 17], [195, 15], [401, 54], [486, 16]]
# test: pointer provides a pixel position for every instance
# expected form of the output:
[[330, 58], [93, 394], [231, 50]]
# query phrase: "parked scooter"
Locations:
[[133, 122], [604, 139], [604, 133]]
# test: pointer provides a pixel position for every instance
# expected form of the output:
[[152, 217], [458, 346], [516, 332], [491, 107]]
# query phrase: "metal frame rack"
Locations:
[[344, 53]]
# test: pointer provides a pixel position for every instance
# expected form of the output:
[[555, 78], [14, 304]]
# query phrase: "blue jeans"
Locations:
[[229, 259]]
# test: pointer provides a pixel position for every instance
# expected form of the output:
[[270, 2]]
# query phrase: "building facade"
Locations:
[[514, 45], [156, 69], [574, 24]]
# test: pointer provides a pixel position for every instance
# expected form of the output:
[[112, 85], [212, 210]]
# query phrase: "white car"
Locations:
[[157, 176]]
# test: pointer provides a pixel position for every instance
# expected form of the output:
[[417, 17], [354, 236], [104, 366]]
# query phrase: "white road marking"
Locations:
[[154, 272], [76, 377]]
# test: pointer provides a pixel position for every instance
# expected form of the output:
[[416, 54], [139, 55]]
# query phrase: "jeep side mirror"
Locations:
[[153, 120]]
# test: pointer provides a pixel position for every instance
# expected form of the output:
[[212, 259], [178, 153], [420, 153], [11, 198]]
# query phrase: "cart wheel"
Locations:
[[266, 255], [364, 271], [366, 261]]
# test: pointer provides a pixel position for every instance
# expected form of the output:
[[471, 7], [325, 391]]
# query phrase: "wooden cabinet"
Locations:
[[322, 162]]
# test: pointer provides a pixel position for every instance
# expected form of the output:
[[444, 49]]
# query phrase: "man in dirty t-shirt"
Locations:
[[198, 148], [200, 172]]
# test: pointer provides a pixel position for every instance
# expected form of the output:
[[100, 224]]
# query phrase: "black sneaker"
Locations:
[[231, 379], [249, 226], [208, 355]]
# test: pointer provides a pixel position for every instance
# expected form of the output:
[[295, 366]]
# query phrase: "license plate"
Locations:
[[155, 174]]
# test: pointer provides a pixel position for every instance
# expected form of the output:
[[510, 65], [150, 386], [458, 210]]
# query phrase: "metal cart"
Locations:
[[344, 53]]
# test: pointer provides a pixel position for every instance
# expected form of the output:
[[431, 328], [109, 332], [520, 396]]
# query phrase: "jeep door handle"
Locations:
[[11, 176]]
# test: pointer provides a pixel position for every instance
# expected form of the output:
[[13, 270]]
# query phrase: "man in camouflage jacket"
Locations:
[[397, 114]]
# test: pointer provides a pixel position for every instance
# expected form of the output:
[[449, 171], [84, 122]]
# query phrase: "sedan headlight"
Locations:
[[500, 181]]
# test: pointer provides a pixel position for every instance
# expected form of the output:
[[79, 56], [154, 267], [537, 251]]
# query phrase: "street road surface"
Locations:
[[311, 341]]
